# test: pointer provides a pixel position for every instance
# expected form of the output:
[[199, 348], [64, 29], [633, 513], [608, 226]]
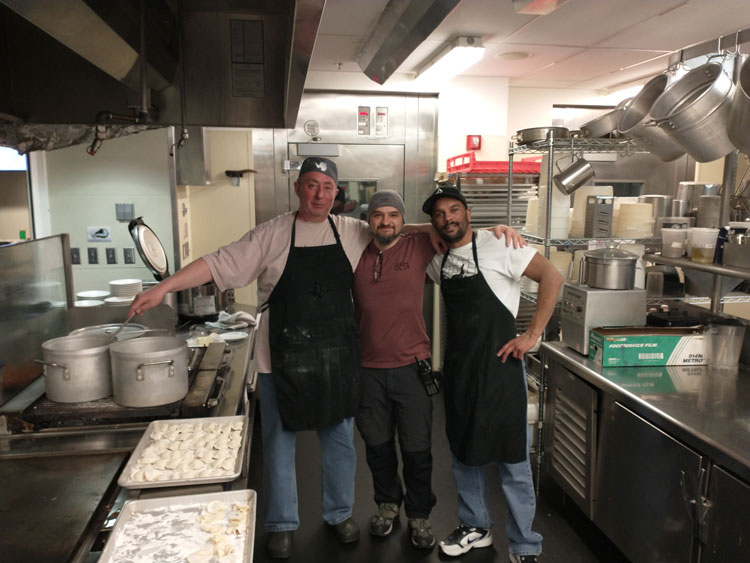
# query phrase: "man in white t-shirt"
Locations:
[[483, 375]]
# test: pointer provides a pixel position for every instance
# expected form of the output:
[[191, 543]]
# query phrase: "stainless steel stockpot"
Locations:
[[149, 371], [635, 119], [695, 112], [739, 116], [77, 368], [608, 268]]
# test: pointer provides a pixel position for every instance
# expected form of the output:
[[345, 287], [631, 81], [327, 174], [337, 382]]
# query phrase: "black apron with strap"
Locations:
[[314, 337], [485, 399]]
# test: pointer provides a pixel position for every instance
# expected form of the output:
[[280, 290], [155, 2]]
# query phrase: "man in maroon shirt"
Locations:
[[388, 289]]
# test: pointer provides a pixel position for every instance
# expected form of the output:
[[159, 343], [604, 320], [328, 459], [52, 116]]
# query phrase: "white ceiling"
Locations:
[[584, 44]]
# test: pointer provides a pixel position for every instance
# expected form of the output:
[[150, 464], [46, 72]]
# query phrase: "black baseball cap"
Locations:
[[320, 164], [447, 191]]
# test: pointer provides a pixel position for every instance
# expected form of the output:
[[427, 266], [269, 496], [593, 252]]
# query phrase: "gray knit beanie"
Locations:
[[386, 198]]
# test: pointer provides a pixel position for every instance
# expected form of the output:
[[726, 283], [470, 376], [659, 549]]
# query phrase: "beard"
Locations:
[[386, 238], [460, 232]]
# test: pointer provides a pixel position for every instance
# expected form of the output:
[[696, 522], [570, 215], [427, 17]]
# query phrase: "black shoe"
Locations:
[[279, 544], [465, 538], [523, 558], [421, 533], [381, 523], [347, 531]]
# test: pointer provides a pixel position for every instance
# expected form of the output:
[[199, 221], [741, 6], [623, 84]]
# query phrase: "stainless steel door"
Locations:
[[726, 528], [647, 487]]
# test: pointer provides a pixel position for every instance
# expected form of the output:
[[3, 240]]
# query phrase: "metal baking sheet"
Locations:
[[169, 529], [126, 482]]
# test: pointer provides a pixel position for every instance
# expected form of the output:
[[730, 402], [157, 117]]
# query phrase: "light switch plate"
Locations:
[[129, 255], [75, 255], [111, 255], [93, 255]]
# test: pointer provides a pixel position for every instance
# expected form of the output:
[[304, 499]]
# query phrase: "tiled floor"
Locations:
[[569, 537]]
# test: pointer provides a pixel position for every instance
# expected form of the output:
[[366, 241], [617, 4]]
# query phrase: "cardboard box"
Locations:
[[648, 346]]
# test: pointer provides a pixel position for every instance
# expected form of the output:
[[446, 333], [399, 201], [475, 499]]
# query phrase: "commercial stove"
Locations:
[[208, 370]]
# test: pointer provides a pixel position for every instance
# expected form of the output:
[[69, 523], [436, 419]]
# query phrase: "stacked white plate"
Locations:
[[92, 294], [118, 300], [125, 288], [88, 303]]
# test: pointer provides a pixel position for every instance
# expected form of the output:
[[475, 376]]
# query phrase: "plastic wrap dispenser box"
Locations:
[[652, 346]]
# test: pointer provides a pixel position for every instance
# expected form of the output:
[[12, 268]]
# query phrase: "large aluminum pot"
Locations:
[[602, 125], [695, 112], [634, 122], [739, 116], [608, 268], [77, 368], [149, 371]]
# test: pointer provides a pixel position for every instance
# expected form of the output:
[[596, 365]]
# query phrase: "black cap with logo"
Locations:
[[447, 191], [320, 164]]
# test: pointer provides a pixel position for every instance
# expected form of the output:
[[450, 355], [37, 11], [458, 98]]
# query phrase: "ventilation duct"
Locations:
[[401, 28]]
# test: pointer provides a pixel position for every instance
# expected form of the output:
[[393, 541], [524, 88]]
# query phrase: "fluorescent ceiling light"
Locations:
[[11, 160], [462, 53]]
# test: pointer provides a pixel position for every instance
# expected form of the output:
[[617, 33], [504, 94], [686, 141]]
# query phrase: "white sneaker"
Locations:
[[465, 538]]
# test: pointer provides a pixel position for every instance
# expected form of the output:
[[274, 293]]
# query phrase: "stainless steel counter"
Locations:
[[707, 410]]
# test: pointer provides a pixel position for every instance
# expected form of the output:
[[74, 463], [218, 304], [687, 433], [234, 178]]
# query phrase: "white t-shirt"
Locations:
[[502, 266], [262, 253]]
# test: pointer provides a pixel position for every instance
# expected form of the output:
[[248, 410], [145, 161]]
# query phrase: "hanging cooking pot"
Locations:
[[77, 368], [149, 371], [695, 112], [739, 116], [608, 268], [602, 125], [201, 303], [635, 118]]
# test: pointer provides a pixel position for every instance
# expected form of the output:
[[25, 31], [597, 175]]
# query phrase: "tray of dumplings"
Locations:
[[194, 528], [188, 451]]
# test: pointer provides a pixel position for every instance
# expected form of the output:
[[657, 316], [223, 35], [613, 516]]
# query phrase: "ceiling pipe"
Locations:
[[402, 27]]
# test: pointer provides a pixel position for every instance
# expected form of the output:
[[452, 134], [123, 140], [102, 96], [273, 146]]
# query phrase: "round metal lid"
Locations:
[[129, 331], [610, 255], [150, 248]]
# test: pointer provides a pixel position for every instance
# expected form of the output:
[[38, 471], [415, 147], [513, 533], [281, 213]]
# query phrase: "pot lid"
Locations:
[[610, 255], [131, 330], [150, 248]]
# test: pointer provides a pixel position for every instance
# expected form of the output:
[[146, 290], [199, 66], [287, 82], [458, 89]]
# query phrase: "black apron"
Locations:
[[314, 337], [485, 399]]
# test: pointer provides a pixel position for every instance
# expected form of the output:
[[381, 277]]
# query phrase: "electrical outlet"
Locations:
[[129, 255], [75, 255], [93, 255], [111, 256]]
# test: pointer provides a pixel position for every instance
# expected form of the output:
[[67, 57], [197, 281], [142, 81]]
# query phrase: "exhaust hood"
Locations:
[[221, 63]]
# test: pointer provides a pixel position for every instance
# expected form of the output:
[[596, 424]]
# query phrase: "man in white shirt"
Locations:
[[483, 374]]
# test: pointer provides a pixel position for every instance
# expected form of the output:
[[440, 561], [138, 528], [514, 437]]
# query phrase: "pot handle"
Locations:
[[66, 371], [582, 270], [139, 370]]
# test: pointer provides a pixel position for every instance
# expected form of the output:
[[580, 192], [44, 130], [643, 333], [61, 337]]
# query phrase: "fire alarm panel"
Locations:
[[473, 142]]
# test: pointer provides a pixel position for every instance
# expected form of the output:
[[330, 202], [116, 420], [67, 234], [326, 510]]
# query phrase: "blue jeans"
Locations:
[[338, 464], [518, 487]]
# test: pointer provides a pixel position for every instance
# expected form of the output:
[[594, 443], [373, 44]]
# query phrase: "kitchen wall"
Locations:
[[14, 205], [82, 191], [220, 213], [488, 107]]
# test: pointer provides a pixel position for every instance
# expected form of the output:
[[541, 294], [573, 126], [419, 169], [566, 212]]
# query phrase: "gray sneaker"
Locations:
[[421, 533], [381, 523]]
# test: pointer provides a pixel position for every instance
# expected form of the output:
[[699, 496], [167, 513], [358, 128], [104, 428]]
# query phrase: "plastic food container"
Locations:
[[673, 242], [702, 243]]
